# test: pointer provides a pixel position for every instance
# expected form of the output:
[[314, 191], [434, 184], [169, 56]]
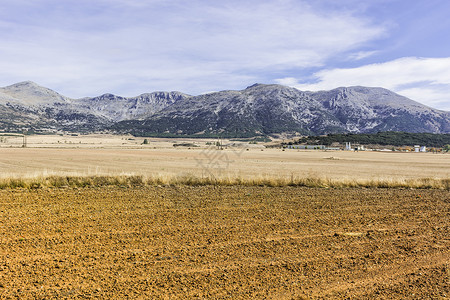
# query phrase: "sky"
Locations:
[[85, 48]]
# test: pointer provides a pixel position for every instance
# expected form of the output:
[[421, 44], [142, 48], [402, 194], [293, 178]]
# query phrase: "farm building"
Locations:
[[418, 148]]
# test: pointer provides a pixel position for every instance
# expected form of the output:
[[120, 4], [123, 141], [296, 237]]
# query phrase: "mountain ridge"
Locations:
[[259, 109]]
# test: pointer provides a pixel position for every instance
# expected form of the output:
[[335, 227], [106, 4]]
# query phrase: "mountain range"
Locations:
[[260, 109]]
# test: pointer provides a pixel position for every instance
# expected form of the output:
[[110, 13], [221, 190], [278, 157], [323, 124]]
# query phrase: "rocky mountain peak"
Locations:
[[30, 93], [258, 109], [24, 84]]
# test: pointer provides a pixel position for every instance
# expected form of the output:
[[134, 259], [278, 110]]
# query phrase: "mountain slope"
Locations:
[[257, 110], [28, 93], [26, 105], [363, 109], [118, 108], [267, 109]]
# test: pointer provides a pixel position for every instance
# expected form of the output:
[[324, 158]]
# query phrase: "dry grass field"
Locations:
[[216, 242], [101, 217], [116, 155]]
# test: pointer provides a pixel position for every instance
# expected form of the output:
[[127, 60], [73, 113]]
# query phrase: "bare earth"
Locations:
[[224, 242]]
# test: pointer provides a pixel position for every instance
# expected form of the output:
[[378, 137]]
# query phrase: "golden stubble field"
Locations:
[[115, 155], [235, 242]]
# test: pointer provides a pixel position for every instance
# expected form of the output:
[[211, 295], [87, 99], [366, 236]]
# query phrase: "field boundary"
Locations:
[[56, 181]]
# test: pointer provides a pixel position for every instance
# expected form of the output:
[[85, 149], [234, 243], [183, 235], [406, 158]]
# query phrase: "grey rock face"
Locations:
[[267, 109], [362, 109], [28, 93], [116, 108], [258, 109], [28, 105]]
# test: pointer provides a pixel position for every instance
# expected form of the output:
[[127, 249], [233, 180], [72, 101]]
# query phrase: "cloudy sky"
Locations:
[[128, 47]]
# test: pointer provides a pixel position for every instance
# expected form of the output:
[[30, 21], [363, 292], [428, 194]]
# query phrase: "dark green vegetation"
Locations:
[[206, 125], [381, 138], [258, 139]]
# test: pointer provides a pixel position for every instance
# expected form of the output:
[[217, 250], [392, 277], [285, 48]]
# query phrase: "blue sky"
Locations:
[[128, 47]]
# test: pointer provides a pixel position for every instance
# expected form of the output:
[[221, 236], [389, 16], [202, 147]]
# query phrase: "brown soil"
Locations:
[[224, 242]]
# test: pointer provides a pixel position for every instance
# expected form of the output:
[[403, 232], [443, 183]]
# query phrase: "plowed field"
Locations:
[[224, 242]]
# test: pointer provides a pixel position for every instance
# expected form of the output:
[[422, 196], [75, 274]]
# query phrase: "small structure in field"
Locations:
[[418, 148], [355, 147], [348, 146]]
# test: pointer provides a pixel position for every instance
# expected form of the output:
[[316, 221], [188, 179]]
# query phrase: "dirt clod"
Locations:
[[219, 242]]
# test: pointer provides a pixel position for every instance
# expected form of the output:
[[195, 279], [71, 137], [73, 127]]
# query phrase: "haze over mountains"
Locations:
[[257, 110]]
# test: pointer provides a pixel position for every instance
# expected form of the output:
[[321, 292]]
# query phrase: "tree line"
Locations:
[[380, 138]]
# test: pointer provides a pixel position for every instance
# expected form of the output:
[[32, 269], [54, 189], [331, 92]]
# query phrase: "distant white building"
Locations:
[[418, 148], [354, 147]]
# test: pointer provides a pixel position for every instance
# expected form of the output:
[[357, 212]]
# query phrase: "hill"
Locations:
[[258, 110]]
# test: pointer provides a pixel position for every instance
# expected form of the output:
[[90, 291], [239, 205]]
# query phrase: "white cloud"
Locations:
[[432, 96], [361, 55], [426, 80], [129, 47]]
